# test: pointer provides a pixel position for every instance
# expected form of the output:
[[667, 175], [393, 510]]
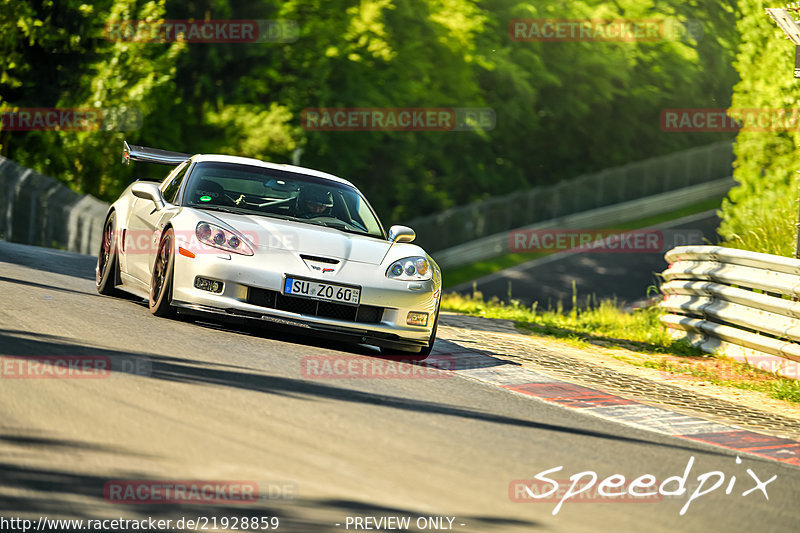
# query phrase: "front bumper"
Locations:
[[348, 334], [240, 274]]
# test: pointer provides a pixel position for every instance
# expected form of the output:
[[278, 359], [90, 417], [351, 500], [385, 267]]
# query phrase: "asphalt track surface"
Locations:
[[216, 402], [625, 277]]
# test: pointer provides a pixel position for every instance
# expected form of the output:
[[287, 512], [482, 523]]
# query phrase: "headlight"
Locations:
[[410, 269], [221, 238]]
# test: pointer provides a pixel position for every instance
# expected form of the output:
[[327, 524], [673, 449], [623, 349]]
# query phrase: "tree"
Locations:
[[759, 214]]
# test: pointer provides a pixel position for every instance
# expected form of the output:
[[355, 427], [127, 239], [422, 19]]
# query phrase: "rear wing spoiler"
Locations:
[[151, 155]]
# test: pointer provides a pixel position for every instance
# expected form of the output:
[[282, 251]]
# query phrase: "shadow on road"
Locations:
[[62, 494], [180, 370], [48, 260], [43, 286]]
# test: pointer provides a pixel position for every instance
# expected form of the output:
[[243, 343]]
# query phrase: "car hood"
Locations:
[[271, 233]]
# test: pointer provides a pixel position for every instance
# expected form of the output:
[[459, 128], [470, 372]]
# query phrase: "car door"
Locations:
[[144, 225]]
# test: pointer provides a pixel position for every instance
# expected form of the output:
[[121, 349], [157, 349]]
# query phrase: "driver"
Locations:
[[314, 202]]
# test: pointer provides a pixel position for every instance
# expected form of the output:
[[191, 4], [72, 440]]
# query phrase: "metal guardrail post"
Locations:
[[735, 298]]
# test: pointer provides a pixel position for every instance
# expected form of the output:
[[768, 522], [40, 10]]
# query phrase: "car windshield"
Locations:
[[245, 189]]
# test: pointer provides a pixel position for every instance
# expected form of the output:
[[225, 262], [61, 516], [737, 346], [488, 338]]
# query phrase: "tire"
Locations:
[[161, 280], [426, 351], [107, 269], [419, 355]]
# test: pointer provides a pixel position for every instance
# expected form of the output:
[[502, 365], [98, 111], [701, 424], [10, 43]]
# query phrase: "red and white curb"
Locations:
[[616, 408]]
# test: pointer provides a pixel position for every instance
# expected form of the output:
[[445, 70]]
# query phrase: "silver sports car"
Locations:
[[238, 238]]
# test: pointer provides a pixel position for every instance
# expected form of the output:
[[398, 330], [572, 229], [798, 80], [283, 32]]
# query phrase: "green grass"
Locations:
[[692, 209], [786, 389], [605, 324], [602, 324], [462, 274]]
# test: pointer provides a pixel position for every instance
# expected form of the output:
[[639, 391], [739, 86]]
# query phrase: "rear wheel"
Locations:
[[107, 261], [161, 280]]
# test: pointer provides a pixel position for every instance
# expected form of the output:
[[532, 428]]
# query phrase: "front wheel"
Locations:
[[423, 353], [161, 280], [426, 350]]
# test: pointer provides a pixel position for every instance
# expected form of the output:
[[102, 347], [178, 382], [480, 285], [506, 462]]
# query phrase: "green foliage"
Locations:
[[130, 79], [562, 108], [253, 131], [759, 214]]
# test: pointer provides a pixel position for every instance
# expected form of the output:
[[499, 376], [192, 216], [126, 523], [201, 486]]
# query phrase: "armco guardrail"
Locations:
[[734, 301], [467, 223], [602, 217], [37, 209]]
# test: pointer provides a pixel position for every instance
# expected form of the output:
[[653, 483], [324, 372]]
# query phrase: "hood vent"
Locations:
[[317, 259]]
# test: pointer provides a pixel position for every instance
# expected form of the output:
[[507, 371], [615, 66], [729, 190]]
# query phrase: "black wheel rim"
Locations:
[[105, 250], [160, 270]]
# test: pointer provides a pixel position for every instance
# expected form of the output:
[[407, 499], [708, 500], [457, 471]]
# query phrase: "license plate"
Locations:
[[329, 292]]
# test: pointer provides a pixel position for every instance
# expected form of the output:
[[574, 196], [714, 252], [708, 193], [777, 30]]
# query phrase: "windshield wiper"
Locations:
[[279, 216], [216, 208], [343, 227]]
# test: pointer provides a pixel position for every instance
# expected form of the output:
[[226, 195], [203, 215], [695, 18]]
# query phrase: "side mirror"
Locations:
[[148, 191], [401, 234]]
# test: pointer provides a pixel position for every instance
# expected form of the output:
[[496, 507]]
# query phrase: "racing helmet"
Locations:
[[314, 201]]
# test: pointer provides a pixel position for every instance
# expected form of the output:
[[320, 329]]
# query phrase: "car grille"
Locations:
[[366, 314]]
